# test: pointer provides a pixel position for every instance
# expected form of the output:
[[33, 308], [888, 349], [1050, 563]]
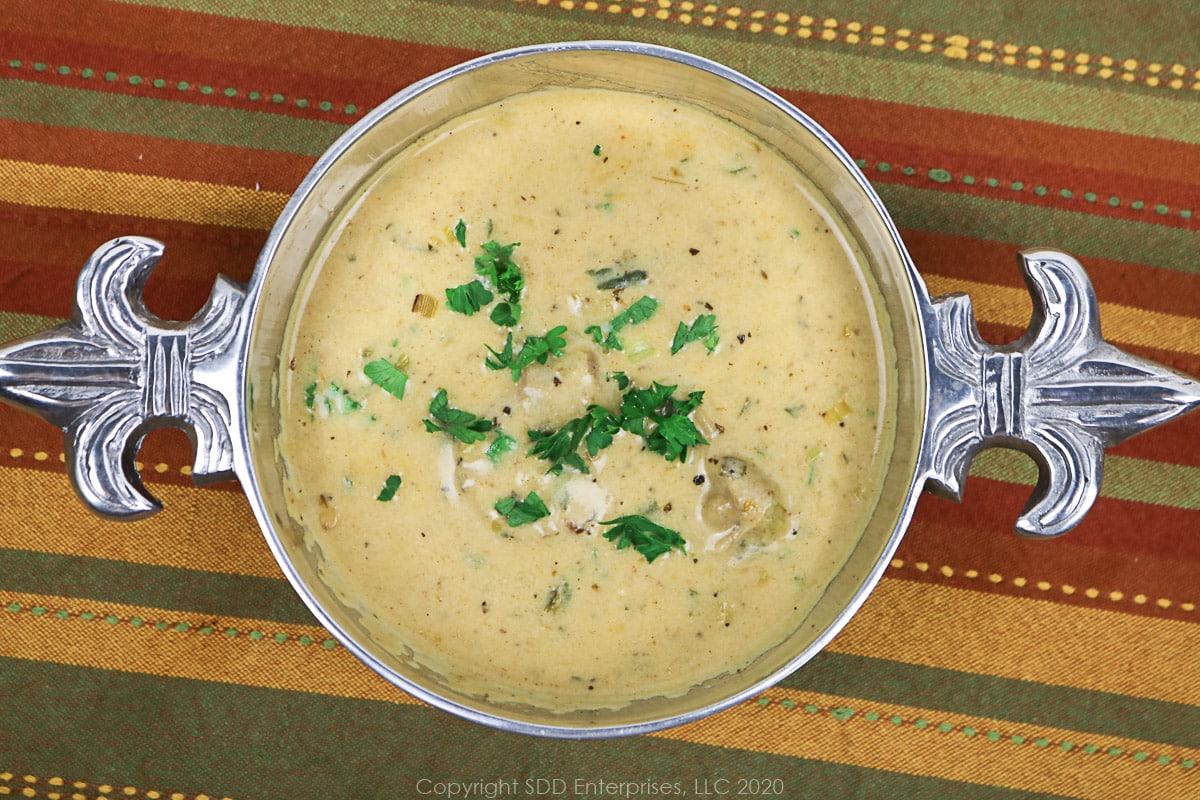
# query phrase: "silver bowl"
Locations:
[[114, 371]]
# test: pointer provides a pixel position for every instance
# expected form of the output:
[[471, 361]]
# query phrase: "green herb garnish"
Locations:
[[648, 538], [460, 233], [468, 298], [607, 278], [387, 376], [536, 349], [310, 395], [503, 443], [596, 150], [595, 430], [334, 398], [606, 335], [660, 418], [521, 512], [462, 425], [389, 488], [703, 329]]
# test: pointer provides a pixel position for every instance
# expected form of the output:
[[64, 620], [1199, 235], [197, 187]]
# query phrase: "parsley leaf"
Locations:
[[606, 335], [506, 314], [536, 349], [503, 443], [389, 488], [468, 298], [462, 425], [460, 233], [595, 430], [703, 329], [660, 418], [387, 376], [648, 538], [521, 512]]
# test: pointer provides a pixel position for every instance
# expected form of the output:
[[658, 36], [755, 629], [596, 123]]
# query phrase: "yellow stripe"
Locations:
[[951, 746], [209, 530], [1026, 639], [953, 46], [1004, 305], [908, 739], [146, 196]]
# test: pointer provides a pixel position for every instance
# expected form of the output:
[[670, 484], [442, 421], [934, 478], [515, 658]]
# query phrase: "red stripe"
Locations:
[[1127, 547], [992, 137], [220, 52], [967, 258], [46, 248]]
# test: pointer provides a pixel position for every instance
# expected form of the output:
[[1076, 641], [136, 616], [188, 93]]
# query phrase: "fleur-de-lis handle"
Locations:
[[114, 372], [1060, 393]]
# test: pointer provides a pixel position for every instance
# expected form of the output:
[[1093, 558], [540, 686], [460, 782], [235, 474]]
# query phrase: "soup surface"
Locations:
[[586, 399]]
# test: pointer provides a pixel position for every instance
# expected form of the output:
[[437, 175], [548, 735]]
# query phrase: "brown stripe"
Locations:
[[950, 746], [144, 155]]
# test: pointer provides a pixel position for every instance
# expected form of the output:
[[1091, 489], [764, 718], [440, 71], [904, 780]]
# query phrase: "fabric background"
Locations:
[[168, 658]]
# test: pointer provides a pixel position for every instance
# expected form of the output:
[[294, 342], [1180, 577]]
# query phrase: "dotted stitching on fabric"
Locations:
[[206, 629], [1091, 592], [56, 788], [944, 176], [41, 455], [845, 714], [953, 46], [163, 84]]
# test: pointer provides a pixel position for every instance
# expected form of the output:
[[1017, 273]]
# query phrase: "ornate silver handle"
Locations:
[[115, 371], [1060, 393]]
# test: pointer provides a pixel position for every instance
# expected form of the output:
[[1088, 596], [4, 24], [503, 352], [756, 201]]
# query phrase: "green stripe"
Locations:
[[23, 101], [1132, 479], [1082, 234], [1014, 701], [792, 63], [140, 731], [185, 590]]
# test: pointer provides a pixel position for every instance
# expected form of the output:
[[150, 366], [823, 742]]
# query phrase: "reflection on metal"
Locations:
[[1060, 393], [115, 371]]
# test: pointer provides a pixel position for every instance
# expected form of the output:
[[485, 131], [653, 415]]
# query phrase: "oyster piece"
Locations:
[[741, 507]]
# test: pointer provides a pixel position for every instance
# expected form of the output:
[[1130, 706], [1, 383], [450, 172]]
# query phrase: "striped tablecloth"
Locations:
[[168, 658]]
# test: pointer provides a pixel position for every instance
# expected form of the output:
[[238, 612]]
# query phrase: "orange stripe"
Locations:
[[204, 530], [1025, 639]]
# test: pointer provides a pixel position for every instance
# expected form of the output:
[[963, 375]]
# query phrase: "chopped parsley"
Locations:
[[703, 329], [521, 512], [460, 233], [333, 399], [596, 150], [648, 538], [387, 376], [594, 430], [462, 425], [503, 443], [498, 275], [536, 349], [660, 418], [390, 485], [606, 335], [468, 298]]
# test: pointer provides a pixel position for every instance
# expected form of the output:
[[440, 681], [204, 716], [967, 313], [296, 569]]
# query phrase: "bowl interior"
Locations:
[[424, 106]]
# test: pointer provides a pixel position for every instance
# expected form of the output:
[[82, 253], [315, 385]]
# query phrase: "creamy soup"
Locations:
[[586, 400]]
